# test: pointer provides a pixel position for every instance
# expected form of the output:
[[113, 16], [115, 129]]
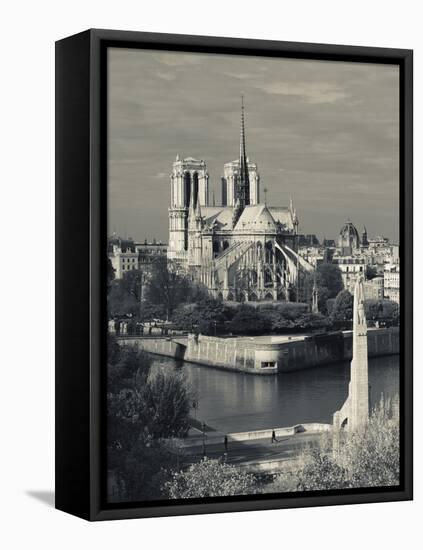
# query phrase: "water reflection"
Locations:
[[232, 401]]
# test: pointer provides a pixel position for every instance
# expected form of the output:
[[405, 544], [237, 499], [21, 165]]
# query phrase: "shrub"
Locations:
[[210, 478]]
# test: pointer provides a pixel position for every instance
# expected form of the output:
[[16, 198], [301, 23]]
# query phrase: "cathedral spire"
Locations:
[[243, 184]]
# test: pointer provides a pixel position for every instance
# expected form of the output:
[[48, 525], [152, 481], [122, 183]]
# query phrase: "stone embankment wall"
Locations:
[[256, 357], [158, 345], [269, 358]]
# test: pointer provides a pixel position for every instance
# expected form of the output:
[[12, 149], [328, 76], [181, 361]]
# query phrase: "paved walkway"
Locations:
[[254, 451]]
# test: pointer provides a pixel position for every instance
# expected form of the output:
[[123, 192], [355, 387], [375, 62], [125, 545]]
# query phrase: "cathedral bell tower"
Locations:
[[189, 183]]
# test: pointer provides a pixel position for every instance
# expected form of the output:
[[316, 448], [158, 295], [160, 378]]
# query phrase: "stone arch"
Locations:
[[230, 297], [268, 296], [253, 297]]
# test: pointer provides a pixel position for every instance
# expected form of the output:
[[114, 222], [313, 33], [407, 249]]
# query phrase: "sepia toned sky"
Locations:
[[325, 133]]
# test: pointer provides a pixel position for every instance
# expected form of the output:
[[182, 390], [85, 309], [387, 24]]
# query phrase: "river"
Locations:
[[233, 401]]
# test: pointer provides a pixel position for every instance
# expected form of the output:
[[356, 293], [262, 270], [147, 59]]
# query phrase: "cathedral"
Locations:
[[241, 250]]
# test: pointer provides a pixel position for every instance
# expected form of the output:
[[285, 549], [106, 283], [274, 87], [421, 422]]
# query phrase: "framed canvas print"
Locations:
[[233, 217]]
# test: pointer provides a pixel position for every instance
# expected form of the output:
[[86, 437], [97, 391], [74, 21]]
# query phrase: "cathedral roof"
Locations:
[[256, 217], [281, 214], [220, 216]]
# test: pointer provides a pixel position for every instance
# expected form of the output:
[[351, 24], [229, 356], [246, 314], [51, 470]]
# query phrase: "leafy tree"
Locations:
[[141, 469], [166, 287], [124, 295], [343, 307], [372, 456], [144, 410], [167, 402], [371, 272], [367, 458], [210, 478], [209, 316], [329, 283], [248, 320], [313, 321], [128, 368], [382, 310], [321, 473]]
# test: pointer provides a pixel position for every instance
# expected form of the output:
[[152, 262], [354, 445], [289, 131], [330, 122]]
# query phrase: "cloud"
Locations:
[[177, 59], [312, 92]]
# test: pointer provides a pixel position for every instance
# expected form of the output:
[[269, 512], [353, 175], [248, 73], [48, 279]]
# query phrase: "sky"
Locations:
[[325, 133]]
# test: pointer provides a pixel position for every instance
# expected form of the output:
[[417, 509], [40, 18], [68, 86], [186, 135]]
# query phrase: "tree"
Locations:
[[321, 473], [209, 316], [313, 321], [127, 367], [248, 320], [144, 410], [371, 272], [167, 402], [343, 307], [166, 287], [383, 311], [329, 276], [369, 457], [124, 295], [328, 279], [210, 478], [372, 456]]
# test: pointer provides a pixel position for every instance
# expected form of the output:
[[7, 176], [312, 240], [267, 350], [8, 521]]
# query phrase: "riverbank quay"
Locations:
[[266, 355], [260, 455]]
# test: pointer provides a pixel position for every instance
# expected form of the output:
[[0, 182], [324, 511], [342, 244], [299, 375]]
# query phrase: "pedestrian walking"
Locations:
[[225, 441], [273, 436]]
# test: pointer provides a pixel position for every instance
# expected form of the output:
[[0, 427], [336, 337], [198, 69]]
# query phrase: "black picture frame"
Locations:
[[81, 171]]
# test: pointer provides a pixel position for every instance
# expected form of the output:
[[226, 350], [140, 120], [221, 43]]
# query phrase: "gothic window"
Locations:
[[187, 188], [269, 252], [195, 188], [225, 245]]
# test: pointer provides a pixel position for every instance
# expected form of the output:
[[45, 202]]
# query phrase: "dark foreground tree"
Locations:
[[210, 478], [145, 410]]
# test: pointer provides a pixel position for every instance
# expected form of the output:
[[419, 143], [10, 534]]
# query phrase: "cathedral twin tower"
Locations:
[[189, 184]]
